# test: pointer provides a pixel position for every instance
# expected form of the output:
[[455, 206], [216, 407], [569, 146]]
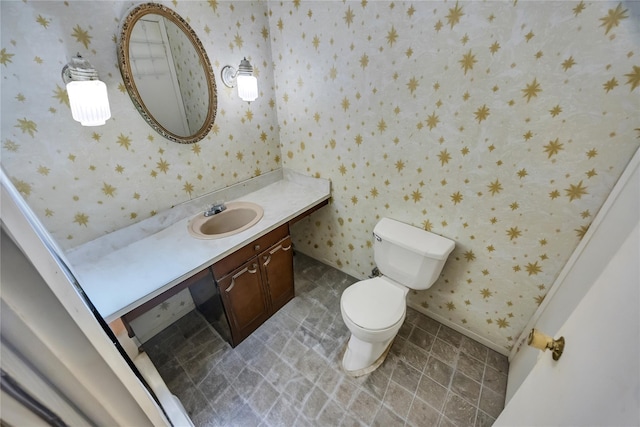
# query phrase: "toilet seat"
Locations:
[[374, 304]]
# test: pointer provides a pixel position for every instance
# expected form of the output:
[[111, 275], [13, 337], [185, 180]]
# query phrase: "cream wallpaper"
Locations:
[[501, 125], [86, 182]]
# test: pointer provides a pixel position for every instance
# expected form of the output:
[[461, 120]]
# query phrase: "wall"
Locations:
[[86, 182], [612, 226], [502, 126]]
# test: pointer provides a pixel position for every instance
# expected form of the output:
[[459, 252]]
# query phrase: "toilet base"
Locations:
[[361, 358]]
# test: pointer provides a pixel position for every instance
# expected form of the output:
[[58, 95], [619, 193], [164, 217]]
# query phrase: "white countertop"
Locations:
[[123, 270]]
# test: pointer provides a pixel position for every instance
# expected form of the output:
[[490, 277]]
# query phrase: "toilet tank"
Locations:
[[409, 255]]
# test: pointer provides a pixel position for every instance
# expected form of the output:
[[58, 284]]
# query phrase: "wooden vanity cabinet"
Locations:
[[239, 292], [255, 282]]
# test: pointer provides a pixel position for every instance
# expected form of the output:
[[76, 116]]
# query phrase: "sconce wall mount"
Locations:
[[243, 78], [543, 342], [88, 96]]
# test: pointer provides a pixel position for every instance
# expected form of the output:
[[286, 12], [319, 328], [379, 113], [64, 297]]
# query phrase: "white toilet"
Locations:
[[374, 309]]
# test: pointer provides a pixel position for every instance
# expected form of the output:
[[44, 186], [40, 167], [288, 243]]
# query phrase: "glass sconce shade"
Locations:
[[89, 102], [243, 78], [88, 97], [247, 88]]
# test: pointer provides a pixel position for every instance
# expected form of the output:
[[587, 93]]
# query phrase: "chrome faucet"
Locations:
[[215, 208]]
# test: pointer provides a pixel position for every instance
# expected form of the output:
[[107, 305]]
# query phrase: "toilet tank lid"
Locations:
[[414, 239]]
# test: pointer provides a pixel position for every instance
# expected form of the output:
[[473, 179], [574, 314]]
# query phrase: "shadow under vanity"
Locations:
[[237, 282]]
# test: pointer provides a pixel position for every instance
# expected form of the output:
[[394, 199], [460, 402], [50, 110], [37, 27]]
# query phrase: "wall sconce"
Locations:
[[88, 97], [542, 342], [244, 78]]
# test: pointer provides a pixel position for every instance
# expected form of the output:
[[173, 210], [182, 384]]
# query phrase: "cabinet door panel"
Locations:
[[277, 265], [244, 299]]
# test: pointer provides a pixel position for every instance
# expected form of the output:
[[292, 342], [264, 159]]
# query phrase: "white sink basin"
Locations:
[[237, 217]]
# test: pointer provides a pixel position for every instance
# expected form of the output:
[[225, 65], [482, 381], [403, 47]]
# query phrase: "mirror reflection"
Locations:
[[167, 73]]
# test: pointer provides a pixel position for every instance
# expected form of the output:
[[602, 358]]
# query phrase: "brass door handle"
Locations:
[[273, 251], [240, 273], [277, 248]]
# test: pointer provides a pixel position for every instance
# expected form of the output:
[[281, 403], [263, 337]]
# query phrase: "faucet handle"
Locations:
[[214, 208]]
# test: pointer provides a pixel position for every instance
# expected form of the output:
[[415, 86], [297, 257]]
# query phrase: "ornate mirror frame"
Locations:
[[124, 63]]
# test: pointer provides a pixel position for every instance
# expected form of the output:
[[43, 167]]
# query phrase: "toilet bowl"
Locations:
[[374, 309]]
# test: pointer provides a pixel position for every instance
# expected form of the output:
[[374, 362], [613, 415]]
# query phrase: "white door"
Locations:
[[596, 382], [84, 364]]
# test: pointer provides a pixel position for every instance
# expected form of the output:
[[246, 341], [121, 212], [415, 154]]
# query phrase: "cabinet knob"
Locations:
[[256, 248]]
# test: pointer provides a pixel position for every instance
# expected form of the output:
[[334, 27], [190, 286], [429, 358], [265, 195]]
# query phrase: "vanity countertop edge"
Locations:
[[119, 280]]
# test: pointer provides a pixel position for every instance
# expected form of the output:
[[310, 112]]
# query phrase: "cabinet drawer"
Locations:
[[239, 257]]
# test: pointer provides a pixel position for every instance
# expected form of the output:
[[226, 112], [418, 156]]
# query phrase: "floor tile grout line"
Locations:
[[382, 398], [415, 392], [272, 403], [331, 355]]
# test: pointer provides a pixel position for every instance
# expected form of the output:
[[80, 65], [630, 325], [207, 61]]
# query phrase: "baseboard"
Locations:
[[465, 332]]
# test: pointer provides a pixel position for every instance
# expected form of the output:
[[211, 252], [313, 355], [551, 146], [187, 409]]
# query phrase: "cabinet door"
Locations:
[[277, 266], [245, 300]]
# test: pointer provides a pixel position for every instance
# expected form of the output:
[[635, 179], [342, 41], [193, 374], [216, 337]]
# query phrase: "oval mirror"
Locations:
[[167, 73]]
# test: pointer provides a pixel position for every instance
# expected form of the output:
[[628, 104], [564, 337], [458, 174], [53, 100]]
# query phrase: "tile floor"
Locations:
[[288, 372]]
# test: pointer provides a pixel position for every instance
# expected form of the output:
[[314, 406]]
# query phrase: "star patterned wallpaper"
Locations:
[[86, 182], [500, 125]]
